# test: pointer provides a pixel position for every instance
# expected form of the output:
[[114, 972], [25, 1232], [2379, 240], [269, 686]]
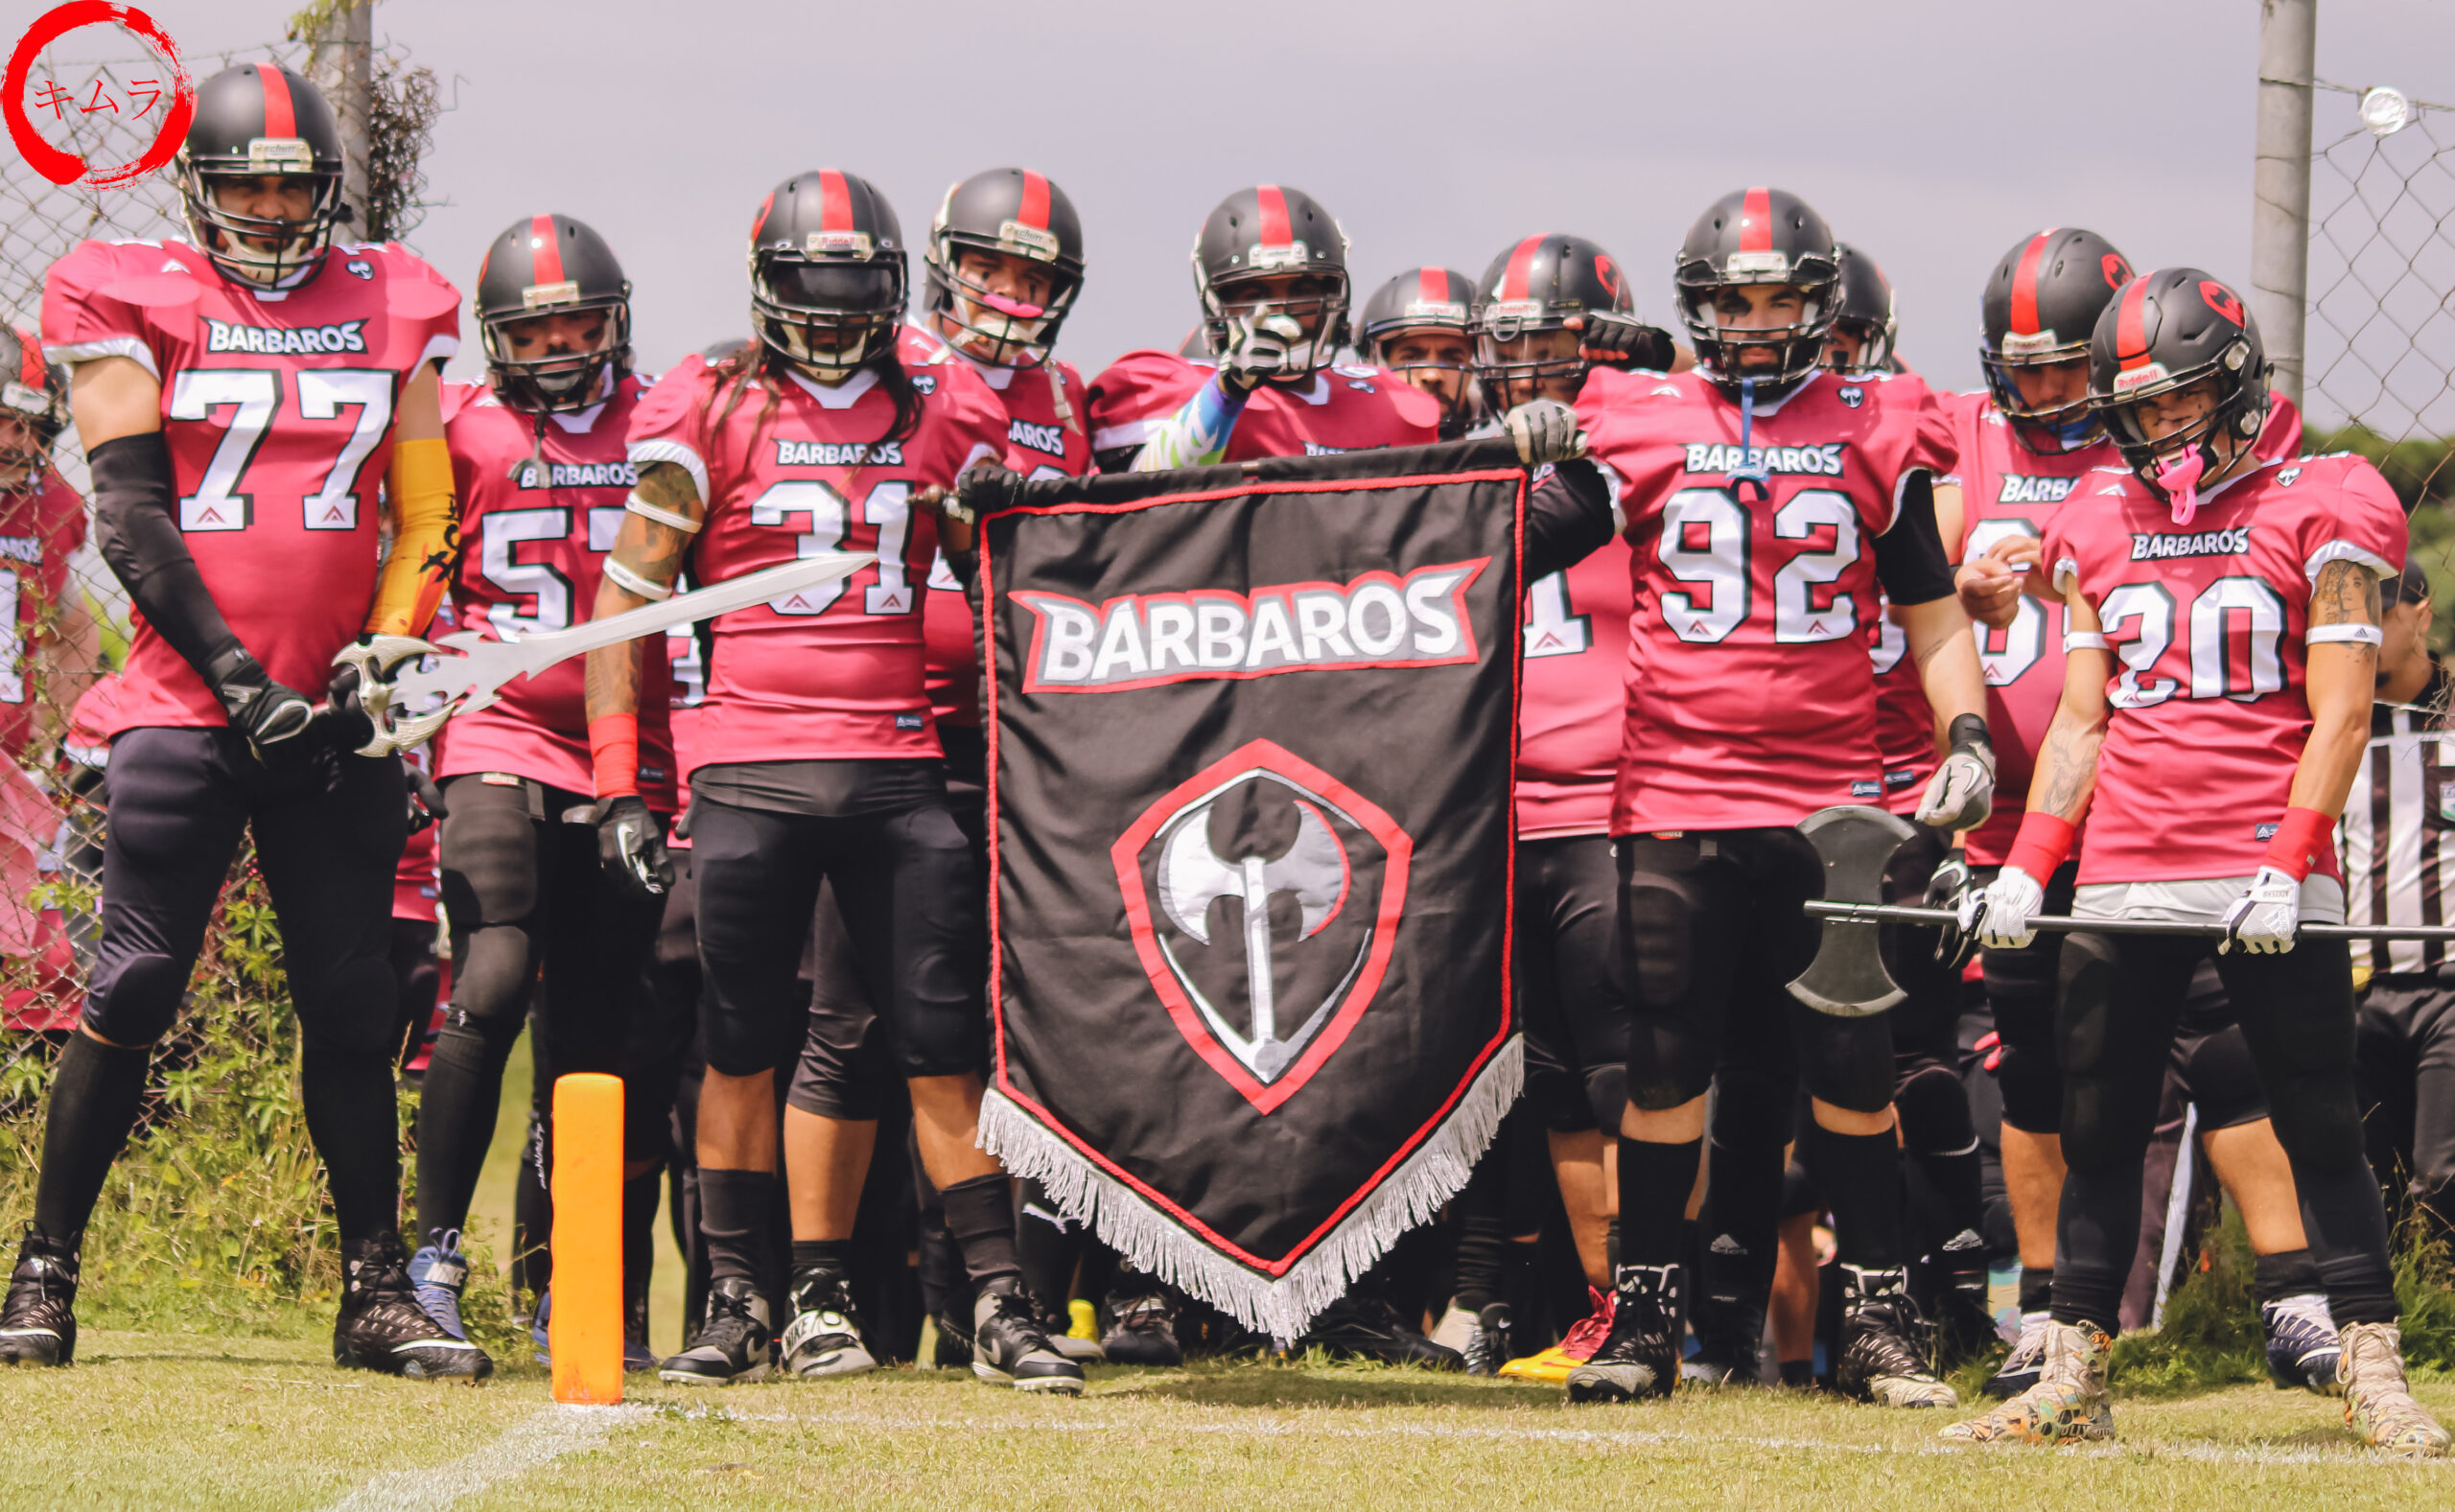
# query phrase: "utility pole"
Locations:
[[2281, 186], [340, 39]]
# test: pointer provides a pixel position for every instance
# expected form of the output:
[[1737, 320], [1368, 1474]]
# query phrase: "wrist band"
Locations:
[[2362, 634], [624, 578], [2042, 844], [2301, 839], [2085, 640], [614, 754]]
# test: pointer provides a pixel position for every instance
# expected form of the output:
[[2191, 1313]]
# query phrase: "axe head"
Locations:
[[1847, 978]]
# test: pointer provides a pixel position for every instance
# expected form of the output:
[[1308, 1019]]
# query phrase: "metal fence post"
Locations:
[[2281, 186]]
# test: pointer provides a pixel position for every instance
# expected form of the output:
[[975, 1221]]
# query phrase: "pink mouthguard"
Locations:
[[2178, 478], [1012, 308]]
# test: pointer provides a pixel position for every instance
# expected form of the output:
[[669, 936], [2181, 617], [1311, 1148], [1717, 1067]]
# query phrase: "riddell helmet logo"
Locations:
[[1264, 898]]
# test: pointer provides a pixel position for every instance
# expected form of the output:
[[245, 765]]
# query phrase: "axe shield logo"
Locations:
[[1264, 898]]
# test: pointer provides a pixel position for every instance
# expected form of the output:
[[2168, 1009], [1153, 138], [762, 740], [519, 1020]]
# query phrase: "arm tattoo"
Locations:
[[2345, 593], [656, 551], [2067, 766]]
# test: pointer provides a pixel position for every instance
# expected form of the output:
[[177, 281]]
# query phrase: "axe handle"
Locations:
[[2050, 923]]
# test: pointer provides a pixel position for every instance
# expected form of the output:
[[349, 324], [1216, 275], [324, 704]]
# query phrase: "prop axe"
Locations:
[[408, 702], [1847, 977]]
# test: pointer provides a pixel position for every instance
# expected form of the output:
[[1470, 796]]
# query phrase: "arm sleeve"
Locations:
[[1909, 557], [425, 539], [140, 538], [1196, 434], [1570, 515]]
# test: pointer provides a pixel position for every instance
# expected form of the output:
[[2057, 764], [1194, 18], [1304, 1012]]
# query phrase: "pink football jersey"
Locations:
[[1572, 696], [2207, 623], [533, 541], [789, 468], [1751, 693], [39, 532], [1345, 408], [277, 406], [1047, 436]]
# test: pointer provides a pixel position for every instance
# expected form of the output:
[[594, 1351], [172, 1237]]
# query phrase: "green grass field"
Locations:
[[167, 1421]]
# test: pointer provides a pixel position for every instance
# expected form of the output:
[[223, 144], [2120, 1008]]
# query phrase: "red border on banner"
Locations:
[[1509, 929]]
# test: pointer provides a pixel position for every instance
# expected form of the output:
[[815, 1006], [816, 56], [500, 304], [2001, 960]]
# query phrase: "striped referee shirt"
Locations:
[[2397, 838]]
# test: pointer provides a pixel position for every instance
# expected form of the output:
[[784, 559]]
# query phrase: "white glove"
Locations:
[[1258, 348], [1961, 794], [2263, 919], [1545, 430], [2005, 907]]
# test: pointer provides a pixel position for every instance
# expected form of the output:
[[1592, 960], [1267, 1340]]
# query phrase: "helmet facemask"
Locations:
[[2046, 429], [1798, 347], [233, 238], [990, 327], [830, 315], [1510, 360], [558, 382], [1231, 306], [2174, 465]]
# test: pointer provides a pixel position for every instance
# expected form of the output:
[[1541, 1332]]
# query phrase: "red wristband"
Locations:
[[614, 752], [2301, 839], [2043, 844]]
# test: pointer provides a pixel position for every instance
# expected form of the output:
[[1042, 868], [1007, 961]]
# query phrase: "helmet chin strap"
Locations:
[[1750, 476]]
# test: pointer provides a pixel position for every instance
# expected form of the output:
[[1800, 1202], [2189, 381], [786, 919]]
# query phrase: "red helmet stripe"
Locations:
[[759, 221], [2129, 330], [1756, 221], [1033, 212], [2025, 279], [281, 117], [30, 359], [1272, 203], [1521, 268], [545, 252], [1432, 285], [834, 201]]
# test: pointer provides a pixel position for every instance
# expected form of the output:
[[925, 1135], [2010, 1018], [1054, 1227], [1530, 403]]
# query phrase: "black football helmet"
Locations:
[[1760, 235], [252, 119], [2041, 304], [34, 394], [1418, 299], [2166, 331], [1540, 284], [827, 274], [1866, 312], [1265, 230], [1021, 213], [552, 265]]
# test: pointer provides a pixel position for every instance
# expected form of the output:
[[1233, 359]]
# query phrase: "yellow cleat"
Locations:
[[1552, 1365], [2068, 1404], [2376, 1406]]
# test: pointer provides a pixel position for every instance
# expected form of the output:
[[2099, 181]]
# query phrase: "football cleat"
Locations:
[[952, 1348], [1640, 1358], [1010, 1349], [1142, 1329], [2019, 1368], [1730, 1346], [2377, 1405], [1584, 1337], [438, 1272], [381, 1327], [733, 1344], [823, 1338], [1888, 1353], [1366, 1327], [36, 1324], [1486, 1347], [2303, 1346], [1059, 1325], [2067, 1403]]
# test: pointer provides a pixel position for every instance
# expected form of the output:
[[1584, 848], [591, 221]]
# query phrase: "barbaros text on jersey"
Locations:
[[2158, 546], [838, 453], [1812, 461], [222, 336]]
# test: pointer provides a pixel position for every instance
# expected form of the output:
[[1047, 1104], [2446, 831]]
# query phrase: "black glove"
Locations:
[[271, 716], [985, 490], [630, 845], [345, 721], [1610, 340], [426, 800]]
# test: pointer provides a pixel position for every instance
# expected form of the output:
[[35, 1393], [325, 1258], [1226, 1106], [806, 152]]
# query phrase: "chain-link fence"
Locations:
[[228, 1207]]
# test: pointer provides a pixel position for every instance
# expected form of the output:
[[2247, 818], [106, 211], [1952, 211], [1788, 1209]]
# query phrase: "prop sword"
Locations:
[[408, 699]]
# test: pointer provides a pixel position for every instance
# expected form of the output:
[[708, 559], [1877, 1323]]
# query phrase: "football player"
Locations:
[[1418, 327], [816, 438], [1270, 266], [538, 463], [1770, 505], [1866, 330], [2027, 444], [2221, 640], [240, 396]]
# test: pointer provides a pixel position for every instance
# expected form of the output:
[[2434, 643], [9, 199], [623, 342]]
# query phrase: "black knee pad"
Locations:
[[1934, 1110], [1800, 1198], [351, 1009], [2222, 1081], [1671, 1052], [1845, 1061], [1606, 1095], [2094, 1128], [843, 1072], [938, 1022], [140, 1002]]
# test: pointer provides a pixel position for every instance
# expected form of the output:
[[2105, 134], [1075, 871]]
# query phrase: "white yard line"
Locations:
[[538, 1440]]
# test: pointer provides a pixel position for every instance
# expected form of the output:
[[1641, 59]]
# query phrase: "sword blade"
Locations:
[[2055, 923], [484, 666]]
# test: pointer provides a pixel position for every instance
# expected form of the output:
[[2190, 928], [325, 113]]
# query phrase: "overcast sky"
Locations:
[[1931, 133]]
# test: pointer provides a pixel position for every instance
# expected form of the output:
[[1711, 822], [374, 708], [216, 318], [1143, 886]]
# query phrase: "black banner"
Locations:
[[1251, 857]]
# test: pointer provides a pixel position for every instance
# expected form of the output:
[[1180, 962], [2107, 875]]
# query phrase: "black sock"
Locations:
[[2289, 1273], [94, 1098], [980, 1214], [1654, 1183], [1740, 1220], [832, 1255], [1047, 1243], [640, 1194], [1861, 1177], [2037, 1288], [456, 1104], [733, 1222], [354, 1119]]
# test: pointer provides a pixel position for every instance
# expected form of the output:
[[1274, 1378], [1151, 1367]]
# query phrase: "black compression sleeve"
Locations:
[[1909, 557], [139, 537], [1568, 519]]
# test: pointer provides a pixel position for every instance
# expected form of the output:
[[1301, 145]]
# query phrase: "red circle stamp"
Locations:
[[63, 167]]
